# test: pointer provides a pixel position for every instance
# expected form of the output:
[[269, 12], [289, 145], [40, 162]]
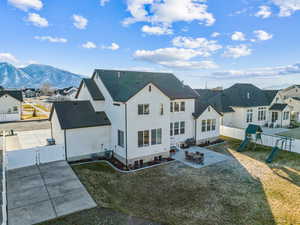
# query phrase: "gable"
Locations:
[[13, 93]]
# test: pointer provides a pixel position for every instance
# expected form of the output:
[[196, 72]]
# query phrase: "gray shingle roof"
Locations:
[[296, 98], [13, 93], [122, 85], [92, 88], [200, 107], [240, 95], [205, 94], [78, 114], [278, 107]]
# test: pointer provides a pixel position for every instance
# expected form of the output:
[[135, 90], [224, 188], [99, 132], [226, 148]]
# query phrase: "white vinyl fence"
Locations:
[[34, 156], [267, 140]]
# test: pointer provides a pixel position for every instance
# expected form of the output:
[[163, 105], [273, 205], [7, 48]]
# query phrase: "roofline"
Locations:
[[196, 117], [13, 97], [79, 89]]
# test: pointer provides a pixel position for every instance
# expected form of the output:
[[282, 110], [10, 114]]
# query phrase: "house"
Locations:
[[244, 104], [292, 91], [149, 113], [291, 96], [64, 94], [10, 105]]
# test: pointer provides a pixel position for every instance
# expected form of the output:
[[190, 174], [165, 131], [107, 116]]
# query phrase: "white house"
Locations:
[[10, 105], [244, 104], [149, 113], [291, 96]]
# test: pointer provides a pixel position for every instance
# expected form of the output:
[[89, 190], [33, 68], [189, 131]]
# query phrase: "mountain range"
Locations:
[[35, 75]]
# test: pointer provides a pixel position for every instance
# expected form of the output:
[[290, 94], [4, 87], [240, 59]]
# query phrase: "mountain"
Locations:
[[34, 75]]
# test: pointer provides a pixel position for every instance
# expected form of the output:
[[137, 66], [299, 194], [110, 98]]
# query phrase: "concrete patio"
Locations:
[[210, 157], [44, 192]]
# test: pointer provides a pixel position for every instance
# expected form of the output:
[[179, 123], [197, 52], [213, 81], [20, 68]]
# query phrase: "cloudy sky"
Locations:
[[203, 42]]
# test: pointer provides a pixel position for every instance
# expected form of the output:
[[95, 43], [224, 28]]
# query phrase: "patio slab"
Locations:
[[40, 193], [210, 157]]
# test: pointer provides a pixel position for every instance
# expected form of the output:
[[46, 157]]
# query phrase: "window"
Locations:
[[203, 125], [286, 115], [249, 115], [121, 138], [213, 124], [274, 116], [182, 127], [176, 128], [262, 112], [171, 129], [171, 107], [15, 108], [176, 106], [208, 125], [143, 138], [156, 136], [182, 106], [149, 88], [161, 109], [143, 109]]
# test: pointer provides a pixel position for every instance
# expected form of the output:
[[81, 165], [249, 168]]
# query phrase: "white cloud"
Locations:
[[174, 57], [8, 57], [204, 47], [89, 45], [168, 11], [37, 20], [156, 30], [80, 22], [51, 39], [103, 2], [25, 5], [262, 35], [237, 51], [113, 47], [261, 72], [238, 36], [287, 7], [215, 34], [264, 12]]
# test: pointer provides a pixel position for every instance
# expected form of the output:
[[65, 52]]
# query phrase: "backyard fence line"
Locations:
[[267, 140], [4, 194], [34, 156]]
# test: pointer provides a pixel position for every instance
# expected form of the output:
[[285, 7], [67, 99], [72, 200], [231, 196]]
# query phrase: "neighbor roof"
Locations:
[[296, 98], [278, 107], [92, 88], [205, 94], [122, 85], [240, 95], [78, 114], [200, 107], [17, 94]]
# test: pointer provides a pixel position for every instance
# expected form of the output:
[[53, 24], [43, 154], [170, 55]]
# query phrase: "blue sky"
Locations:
[[202, 42]]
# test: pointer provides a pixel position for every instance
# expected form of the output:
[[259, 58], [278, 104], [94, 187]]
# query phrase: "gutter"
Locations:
[[126, 135], [65, 137]]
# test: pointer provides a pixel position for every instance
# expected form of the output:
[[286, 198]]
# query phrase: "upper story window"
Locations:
[[182, 106], [143, 109], [171, 107], [249, 115], [161, 109], [176, 106]]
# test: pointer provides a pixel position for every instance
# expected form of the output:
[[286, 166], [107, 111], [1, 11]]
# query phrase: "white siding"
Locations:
[[57, 132], [212, 114], [7, 104], [84, 94], [86, 141]]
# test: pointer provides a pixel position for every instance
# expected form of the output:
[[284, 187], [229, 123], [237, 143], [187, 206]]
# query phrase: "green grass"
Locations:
[[293, 133], [243, 191]]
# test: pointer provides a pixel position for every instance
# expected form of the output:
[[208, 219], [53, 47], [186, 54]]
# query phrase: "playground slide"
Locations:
[[272, 155], [243, 145]]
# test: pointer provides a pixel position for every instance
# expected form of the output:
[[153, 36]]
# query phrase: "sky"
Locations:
[[205, 43]]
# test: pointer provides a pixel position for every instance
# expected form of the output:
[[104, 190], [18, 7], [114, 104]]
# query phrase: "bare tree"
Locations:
[[47, 89]]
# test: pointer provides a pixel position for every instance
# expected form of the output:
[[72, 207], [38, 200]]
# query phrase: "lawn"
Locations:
[[293, 133], [243, 191]]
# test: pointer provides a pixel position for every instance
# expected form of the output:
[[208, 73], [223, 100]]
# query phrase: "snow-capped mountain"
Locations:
[[33, 76]]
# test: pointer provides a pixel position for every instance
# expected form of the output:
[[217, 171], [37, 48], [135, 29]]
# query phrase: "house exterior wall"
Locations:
[[7, 105], [83, 142], [84, 94], [56, 131], [290, 92], [208, 135], [295, 108], [153, 120]]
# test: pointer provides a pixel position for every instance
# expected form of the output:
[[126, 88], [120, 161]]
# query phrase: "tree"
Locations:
[[47, 89]]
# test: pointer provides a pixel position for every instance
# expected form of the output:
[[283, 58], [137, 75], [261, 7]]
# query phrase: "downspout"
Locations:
[[126, 134], [51, 129], [65, 137], [196, 130]]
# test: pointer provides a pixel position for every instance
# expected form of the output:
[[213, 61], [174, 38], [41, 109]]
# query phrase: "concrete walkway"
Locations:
[[210, 157], [44, 192]]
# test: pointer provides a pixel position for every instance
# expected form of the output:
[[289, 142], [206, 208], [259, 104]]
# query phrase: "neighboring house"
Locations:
[[244, 104], [149, 113], [10, 105], [291, 95], [31, 92], [292, 91]]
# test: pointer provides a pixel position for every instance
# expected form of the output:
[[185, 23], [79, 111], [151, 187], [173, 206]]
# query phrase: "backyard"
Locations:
[[243, 191]]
